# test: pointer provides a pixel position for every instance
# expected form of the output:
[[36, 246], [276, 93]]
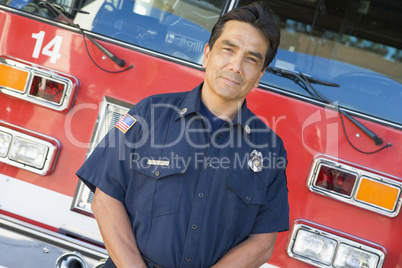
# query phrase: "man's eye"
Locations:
[[228, 49], [252, 59]]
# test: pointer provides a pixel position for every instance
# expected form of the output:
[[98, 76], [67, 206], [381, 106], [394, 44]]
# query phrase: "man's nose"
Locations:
[[236, 64]]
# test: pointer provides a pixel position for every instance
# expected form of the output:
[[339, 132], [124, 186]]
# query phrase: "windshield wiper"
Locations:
[[294, 76], [119, 62], [306, 81]]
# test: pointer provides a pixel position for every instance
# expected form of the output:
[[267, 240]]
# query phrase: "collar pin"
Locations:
[[247, 129]]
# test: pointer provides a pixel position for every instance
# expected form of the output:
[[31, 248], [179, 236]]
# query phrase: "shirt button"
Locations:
[[201, 195], [187, 259], [209, 165], [157, 173], [248, 198], [218, 136], [194, 227]]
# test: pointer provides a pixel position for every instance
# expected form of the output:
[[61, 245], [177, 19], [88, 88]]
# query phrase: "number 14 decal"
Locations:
[[47, 50]]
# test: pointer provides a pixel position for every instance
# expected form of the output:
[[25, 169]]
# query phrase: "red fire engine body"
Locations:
[[55, 104]]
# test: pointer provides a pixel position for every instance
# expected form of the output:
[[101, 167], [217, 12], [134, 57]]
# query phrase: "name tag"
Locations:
[[158, 162]]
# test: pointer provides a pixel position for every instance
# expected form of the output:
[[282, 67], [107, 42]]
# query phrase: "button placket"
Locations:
[[199, 204]]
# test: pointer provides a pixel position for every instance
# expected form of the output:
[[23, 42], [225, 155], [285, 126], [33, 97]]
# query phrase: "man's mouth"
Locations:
[[232, 80]]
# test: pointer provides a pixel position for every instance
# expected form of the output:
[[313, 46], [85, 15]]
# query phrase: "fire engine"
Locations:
[[69, 69]]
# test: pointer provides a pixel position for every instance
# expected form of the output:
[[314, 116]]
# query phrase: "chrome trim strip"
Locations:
[[231, 5], [338, 239], [360, 172], [50, 242]]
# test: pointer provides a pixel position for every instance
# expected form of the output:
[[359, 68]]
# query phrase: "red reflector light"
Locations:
[[47, 89], [336, 180]]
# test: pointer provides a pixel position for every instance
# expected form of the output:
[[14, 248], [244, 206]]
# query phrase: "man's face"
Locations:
[[234, 64]]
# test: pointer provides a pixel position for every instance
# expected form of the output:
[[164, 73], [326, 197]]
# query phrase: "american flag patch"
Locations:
[[125, 123]]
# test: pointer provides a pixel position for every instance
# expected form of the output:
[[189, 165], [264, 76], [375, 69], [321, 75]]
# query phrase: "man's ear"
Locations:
[[206, 54]]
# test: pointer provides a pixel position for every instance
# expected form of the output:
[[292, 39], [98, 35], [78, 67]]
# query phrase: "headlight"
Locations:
[[27, 150], [326, 248], [5, 140], [351, 257], [314, 246]]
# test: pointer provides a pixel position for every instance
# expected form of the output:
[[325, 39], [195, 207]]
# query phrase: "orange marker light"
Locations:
[[377, 193], [13, 78]]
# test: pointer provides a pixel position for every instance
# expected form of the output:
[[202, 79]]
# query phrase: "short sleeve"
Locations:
[[274, 216], [108, 166]]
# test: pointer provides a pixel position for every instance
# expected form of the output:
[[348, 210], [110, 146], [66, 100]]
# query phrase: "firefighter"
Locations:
[[195, 179]]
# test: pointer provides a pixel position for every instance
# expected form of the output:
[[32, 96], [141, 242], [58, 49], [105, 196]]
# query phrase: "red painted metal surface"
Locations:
[[306, 129], [149, 75]]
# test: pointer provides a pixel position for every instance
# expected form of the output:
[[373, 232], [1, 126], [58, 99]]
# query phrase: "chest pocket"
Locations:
[[158, 188], [244, 197]]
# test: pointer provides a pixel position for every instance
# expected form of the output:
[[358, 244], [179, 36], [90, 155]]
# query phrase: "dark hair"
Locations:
[[260, 17]]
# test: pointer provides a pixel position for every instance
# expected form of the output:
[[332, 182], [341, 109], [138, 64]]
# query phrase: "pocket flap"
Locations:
[[157, 167]]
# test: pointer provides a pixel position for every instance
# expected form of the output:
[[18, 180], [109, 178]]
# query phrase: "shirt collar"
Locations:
[[192, 104], [243, 116]]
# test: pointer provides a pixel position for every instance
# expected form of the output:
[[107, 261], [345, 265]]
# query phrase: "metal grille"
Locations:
[[115, 118], [110, 112]]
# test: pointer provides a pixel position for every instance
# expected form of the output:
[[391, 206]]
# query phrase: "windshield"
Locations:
[[356, 44], [179, 28]]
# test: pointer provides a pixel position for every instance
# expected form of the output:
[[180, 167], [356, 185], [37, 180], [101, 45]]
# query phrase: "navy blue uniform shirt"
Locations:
[[191, 195]]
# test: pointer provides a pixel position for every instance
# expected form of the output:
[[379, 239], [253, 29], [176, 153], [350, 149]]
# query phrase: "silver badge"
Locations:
[[255, 161]]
